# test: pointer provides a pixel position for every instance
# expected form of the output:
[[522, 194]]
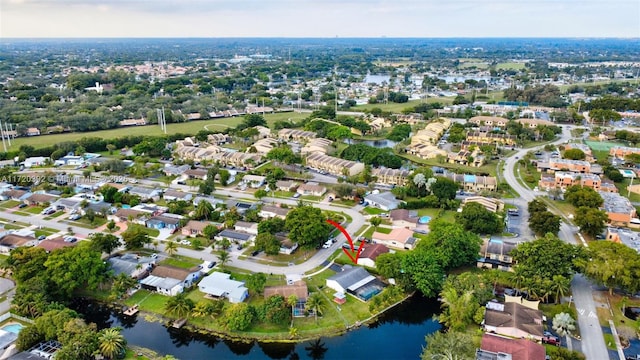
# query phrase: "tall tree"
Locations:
[[543, 222], [203, 211], [179, 306], [591, 221], [476, 218], [171, 248], [224, 257], [104, 242], [451, 345], [111, 343], [256, 282], [315, 304], [307, 226]]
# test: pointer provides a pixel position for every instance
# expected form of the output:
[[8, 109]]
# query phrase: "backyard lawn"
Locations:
[[180, 262], [9, 204]]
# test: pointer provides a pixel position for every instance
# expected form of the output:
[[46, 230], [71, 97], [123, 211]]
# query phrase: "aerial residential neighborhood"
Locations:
[[433, 198]]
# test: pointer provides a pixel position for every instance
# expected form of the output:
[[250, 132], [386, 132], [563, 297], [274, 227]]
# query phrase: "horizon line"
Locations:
[[323, 37]]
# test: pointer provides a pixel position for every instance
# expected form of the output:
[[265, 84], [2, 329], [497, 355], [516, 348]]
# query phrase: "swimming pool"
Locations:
[[14, 328], [424, 219], [627, 173]]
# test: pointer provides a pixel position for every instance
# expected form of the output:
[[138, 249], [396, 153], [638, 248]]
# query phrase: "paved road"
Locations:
[[593, 345]]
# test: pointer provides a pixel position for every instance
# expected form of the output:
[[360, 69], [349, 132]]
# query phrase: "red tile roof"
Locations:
[[372, 251], [520, 349]]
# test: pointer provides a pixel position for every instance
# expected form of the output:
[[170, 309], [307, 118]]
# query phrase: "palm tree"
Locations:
[[203, 210], [314, 303], [171, 248], [111, 343], [293, 332], [560, 287], [458, 309], [564, 324], [292, 301], [224, 257], [179, 306]]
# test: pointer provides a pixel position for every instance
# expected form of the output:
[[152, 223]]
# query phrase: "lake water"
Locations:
[[398, 334], [377, 79], [383, 143]]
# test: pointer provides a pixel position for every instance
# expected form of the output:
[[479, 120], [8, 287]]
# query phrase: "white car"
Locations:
[[185, 242]]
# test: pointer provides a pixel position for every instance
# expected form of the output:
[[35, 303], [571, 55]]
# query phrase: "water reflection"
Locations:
[[404, 326]]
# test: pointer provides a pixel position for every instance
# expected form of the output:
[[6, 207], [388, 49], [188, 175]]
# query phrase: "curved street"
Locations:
[[593, 345]]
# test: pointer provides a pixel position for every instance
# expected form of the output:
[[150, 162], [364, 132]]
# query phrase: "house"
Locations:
[[399, 238], [355, 281], [40, 199], [286, 185], [491, 138], [618, 208], [35, 161], [173, 195], [391, 176], [122, 215], [164, 222], [171, 170], [263, 146], [270, 211], [99, 207], [494, 347], [496, 254], [263, 132], [514, 320], [369, 254], [10, 241], [169, 280], [624, 236], [254, 181], [491, 121], [69, 160], [211, 200], [334, 165], [69, 204], [534, 123], [425, 151], [33, 131], [235, 236], [145, 193], [15, 195], [384, 200], [50, 245], [431, 133], [194, 227], [131, 265], [220, 285], [200, 174], [491, 204], [403, 218], [247, 227], [298, 288], [579, 166], [312, 189]]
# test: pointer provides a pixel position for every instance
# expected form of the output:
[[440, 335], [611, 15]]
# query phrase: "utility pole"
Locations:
[[4, 145], [6, 127]]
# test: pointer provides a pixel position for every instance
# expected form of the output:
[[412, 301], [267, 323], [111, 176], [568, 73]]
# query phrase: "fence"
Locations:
[[9, 315]]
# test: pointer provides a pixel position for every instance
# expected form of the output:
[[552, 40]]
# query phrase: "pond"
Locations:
[[398, 334], [382, 143]]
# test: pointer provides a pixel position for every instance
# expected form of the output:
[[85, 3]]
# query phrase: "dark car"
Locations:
[[255, 253], [211, 264], [23, 205], [551, 340]]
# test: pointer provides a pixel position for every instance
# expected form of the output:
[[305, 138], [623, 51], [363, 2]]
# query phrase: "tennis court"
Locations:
[[602, 145]]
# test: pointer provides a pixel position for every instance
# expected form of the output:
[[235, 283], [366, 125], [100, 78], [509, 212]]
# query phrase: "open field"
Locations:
[[191, 127], [510, 65], [396, 108]]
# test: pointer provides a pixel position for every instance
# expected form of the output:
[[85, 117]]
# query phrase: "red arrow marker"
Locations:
[[353, 249]]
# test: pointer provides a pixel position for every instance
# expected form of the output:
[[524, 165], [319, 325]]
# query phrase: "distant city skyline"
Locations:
[[319, 18]]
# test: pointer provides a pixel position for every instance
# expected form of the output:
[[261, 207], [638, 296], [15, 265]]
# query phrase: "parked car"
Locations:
[[296, 195], [255, 253], [211, 264], [22, 206], [185, 242], [75, 217], [550, 339], [42, 237]]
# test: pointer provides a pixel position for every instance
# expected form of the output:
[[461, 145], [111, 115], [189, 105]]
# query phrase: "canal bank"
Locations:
[[398, 333]]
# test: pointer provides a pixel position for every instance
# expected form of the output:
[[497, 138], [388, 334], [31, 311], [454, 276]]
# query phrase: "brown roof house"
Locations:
[[520, 349], [496, 254], [56, 243], [194, 227], [370, 253], [311, 189], [10, 241], [514, 320], [404, 218]]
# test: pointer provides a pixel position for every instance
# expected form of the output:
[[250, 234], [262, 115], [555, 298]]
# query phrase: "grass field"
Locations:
[[510, 65], [396, 108], [602, 145], [191, 127]]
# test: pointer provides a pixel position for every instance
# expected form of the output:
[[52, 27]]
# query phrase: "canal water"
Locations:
[[382, 143], [398, 334]]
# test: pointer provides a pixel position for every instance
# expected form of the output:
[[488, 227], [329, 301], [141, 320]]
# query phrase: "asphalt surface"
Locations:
[[593, 345]]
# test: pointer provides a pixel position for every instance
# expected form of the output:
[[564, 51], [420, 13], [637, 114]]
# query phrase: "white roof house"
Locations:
[[220, 285]]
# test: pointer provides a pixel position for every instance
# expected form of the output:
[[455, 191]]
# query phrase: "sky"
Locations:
[[319, 18]]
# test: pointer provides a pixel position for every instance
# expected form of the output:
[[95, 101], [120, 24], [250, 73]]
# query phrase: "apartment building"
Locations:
[[425, 151], [491, 204], [391, 176], [295, 134], [432, 133], [263, 146], [534, 123], [492, 121], [618, 208], [564, 179], [333, 165], [619, 152], [491, 138], [473, 158], [582, 147], [474, 183], [579, 166], [316, 145]]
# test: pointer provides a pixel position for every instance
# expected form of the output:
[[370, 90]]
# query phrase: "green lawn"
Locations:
[[445, 215], [510, 66], [191, 127], [181, 262], [33, 209], [146, 230], [85, 223], [148, 301], [373, 211], [9, 204]]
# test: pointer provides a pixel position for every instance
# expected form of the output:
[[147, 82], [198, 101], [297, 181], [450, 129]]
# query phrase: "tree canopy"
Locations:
[[307, 226], [476, 218]]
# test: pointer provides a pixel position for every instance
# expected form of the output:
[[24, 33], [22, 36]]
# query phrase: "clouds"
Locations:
[[319, 18]]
